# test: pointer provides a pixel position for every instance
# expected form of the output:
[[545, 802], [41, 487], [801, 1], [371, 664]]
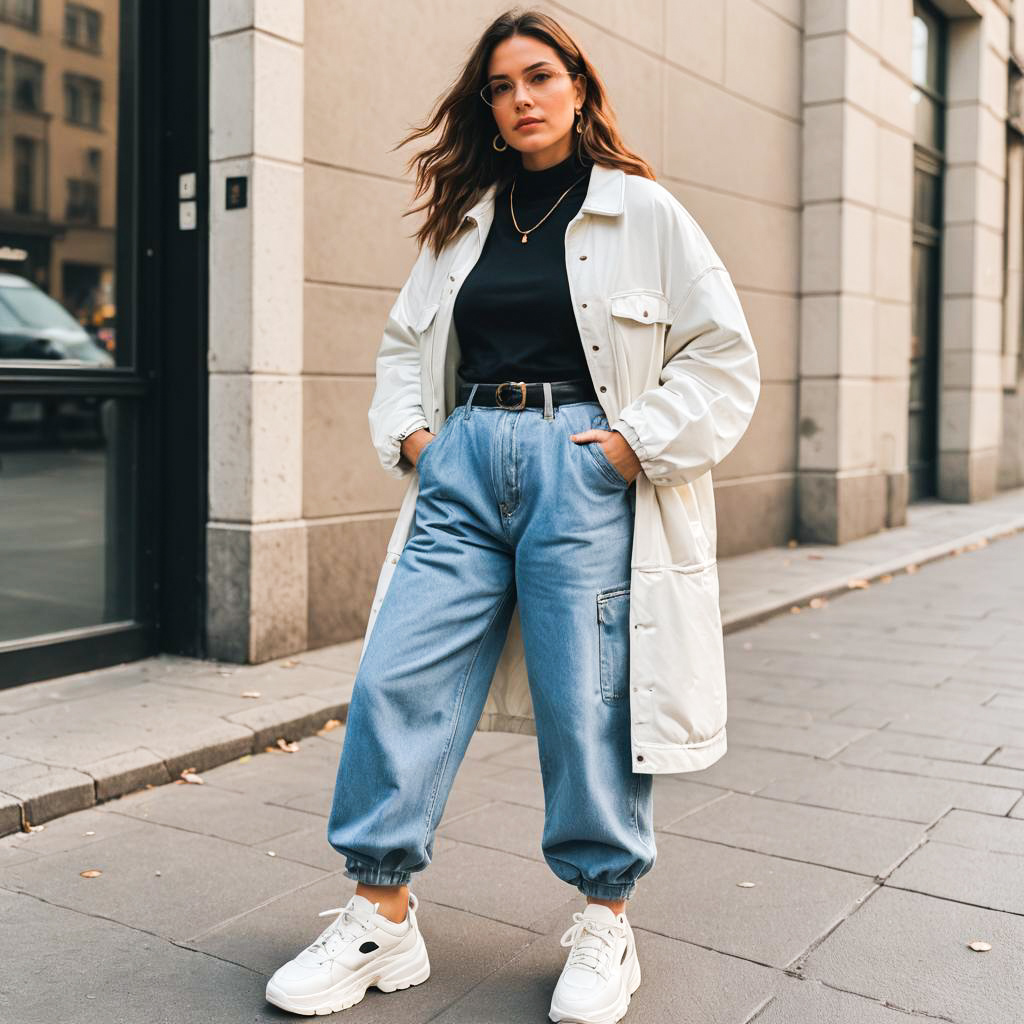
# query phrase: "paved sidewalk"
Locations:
[[873, 793], [75, 742]]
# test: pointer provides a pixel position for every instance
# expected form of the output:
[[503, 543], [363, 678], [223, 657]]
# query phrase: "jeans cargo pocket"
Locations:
[[613, 642]]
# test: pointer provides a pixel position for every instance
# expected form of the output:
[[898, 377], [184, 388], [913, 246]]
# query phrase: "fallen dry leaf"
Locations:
[[252, 693], [818, 602], [887, 578], [792, 543], [189, 775], [746, 885], [816, 558], [245, 759], [290, 663], [978, 946], [858, 584], [795, 610], [270, 853], [292, 748], [331, 723], [911, 568], [91, 873]]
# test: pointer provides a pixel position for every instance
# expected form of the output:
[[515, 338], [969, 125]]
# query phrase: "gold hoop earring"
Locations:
[[494, 143], [579, 124]]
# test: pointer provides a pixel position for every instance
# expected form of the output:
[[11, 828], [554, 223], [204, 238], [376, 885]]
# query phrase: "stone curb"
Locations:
[[839, 585], [38, 793], [44, 793]]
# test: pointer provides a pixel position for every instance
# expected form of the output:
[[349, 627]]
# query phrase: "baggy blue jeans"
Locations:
[[509, 509]]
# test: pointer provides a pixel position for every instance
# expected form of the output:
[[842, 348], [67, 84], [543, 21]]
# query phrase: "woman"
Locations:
[[565, 558]]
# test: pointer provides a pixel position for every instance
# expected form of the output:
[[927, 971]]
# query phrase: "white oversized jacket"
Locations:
[[676, 372]]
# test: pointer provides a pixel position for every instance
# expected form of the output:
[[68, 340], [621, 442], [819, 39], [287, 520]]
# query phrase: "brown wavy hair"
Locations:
[[463, 163]]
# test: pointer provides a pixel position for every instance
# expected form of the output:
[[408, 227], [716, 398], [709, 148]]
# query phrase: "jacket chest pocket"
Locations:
[[639, 319]]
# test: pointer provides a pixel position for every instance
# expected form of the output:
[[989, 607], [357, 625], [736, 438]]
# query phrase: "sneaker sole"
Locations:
[[606, 1017], [402, 971]]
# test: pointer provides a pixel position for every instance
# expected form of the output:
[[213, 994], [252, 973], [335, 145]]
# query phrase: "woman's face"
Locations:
[[529, 81]]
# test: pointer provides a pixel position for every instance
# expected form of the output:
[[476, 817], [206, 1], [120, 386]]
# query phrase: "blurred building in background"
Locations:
[[211, 489]]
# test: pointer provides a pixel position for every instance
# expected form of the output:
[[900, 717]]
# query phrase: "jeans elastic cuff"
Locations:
[[375, 876], [607, 892]]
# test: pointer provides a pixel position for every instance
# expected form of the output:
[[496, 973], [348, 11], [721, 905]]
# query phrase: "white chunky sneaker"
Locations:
[[359, 948], [601, 972]]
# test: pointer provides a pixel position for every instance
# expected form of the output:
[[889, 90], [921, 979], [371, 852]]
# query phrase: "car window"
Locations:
[[33, 308]]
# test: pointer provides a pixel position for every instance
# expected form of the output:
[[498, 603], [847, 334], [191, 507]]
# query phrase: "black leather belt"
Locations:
[[517, 394]]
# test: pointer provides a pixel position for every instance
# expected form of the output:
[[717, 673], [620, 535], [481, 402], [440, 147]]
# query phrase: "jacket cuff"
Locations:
[[395, 463]]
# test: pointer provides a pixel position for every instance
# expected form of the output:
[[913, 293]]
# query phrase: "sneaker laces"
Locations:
[[591, 942], [348, 925]]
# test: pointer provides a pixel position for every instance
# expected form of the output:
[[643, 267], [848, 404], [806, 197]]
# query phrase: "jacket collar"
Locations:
[[606, 194]]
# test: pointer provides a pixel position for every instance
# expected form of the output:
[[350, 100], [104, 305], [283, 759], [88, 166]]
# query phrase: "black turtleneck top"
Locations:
[[513, 314]]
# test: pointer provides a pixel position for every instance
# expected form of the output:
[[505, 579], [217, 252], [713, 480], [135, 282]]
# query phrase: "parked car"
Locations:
[[35, 326]]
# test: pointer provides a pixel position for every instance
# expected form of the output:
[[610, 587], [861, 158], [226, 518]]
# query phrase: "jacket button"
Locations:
[[639, 757], [602, 388], [595, 347], [645, 311], [583, 257], [451, 277], [583, 305]]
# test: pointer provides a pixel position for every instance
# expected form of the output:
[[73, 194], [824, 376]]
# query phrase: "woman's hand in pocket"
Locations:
[[413, 445], [615, 447]]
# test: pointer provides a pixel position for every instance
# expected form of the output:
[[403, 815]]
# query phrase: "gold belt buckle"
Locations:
[[521, 384]]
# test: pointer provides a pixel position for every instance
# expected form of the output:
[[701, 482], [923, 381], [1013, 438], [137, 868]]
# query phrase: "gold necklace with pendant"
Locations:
[[523, 239]]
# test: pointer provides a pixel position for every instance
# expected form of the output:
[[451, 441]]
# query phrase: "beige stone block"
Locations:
[[831, 431], [768, 444], [282, 19], [963, 71], [894, 103], [727, 125], [257, 586], [824, 69], [972, 193], [968, 476], [996, 25], [354, 232], [695, 37], [343, 327], [860, 156], [758, 242], [775, 325], [894, 28], [255, 448], [893, 245], [992, 148], [345, 41], [345, 557], [341, 472], [256, 266], [278, 90], [823, 152], [762, 56], [835, 508], [971, 322], [821, 252], [994, 75], [790, 10], [892, 339], [971, 369], [860, 18], [858, 249], [232, 90], [755, 513], [279, 592], [958, 259], [837, 336], [969, 420], [640, 23], [895, 173], [890, 424]]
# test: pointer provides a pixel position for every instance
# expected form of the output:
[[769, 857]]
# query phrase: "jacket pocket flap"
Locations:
[[644, 306], [426, 317]]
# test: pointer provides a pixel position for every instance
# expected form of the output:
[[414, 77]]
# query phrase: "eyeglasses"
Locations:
[[540, 83]]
